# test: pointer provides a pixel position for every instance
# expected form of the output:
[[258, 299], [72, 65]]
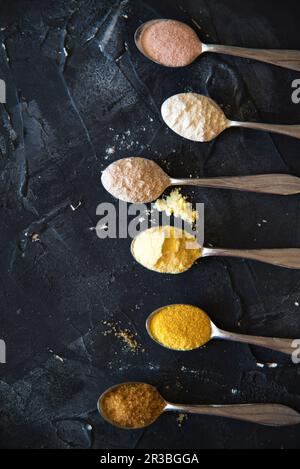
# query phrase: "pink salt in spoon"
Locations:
[[175, 44]]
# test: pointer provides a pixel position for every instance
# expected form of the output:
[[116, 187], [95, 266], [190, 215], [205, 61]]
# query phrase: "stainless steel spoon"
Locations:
[[283, 58], [275, 415], [280, 184], [285, 257], [278, 345], [211, 133]]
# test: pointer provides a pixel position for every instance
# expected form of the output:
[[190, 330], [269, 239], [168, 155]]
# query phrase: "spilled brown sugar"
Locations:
[[127, 337]]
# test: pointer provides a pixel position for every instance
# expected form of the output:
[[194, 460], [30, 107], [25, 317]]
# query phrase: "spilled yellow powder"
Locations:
[[166, 249], [180, 419], [181, 327], [177, 205], [126, 336]]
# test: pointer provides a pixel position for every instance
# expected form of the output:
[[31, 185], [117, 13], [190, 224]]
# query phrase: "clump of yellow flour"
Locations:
[[177, 205]]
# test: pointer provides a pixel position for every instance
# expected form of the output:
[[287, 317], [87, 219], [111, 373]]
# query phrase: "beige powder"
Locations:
[[135, 180], [194, 116]]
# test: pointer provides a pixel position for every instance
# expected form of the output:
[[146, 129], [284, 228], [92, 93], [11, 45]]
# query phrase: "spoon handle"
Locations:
[[276, 415], [283, 58], [289, 257], [290, 130], [280, 184], [286, 346]]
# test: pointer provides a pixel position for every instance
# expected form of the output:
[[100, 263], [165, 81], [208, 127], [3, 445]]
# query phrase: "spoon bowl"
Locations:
[[190, 242], [199, 47], [214, 330], [105, 416]]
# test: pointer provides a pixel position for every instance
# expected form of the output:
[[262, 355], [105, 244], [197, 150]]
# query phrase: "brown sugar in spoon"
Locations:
[[275, 415]]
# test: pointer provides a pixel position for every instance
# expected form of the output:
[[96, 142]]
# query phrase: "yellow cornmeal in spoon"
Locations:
[[181, 327], [166, 249]]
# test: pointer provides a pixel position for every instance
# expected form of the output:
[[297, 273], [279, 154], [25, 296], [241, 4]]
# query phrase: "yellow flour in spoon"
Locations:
[[166, 249]]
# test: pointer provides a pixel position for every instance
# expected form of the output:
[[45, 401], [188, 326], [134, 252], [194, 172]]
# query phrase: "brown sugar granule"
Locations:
[[128, 339], [180, 419], [125, 335], [133, 405], [171, 43]]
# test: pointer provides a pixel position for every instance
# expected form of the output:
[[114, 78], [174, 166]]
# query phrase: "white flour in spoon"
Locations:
[[194, 116]]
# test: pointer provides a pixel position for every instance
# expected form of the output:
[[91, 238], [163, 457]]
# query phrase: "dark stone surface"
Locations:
[[62, 116]]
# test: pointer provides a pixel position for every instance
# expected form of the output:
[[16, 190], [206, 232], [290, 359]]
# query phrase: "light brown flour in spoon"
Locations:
[[135, 180], [171, 43]]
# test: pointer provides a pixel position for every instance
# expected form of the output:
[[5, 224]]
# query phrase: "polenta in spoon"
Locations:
[[184, 327]]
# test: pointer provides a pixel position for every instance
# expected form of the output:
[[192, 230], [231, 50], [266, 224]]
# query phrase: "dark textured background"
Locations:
[[64, 114]]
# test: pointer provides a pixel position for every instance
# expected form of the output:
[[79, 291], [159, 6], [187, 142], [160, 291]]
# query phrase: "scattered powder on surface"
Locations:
[[177, 205], [194, 116], [127, 337], [135, 180], [171, 43], [35, 237], [129, 340], [133, 405], [181, 327], [59, 358], [166, 249], [109, 151], [268, 365], [180, 419], [272, 365]]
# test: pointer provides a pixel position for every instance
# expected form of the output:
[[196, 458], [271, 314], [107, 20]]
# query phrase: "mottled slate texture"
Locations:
[[79, 97]]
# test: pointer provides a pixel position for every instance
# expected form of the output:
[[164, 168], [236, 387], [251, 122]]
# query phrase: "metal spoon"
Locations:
[[279, 345], [275, 415], [290, 130], [280, 184], [283, 58], [285, 257]]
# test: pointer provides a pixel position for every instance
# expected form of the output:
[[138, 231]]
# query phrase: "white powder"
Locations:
[[194, 116], [110, 150]]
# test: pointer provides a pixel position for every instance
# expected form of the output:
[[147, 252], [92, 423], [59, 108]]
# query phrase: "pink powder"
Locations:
[[171, 43]]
